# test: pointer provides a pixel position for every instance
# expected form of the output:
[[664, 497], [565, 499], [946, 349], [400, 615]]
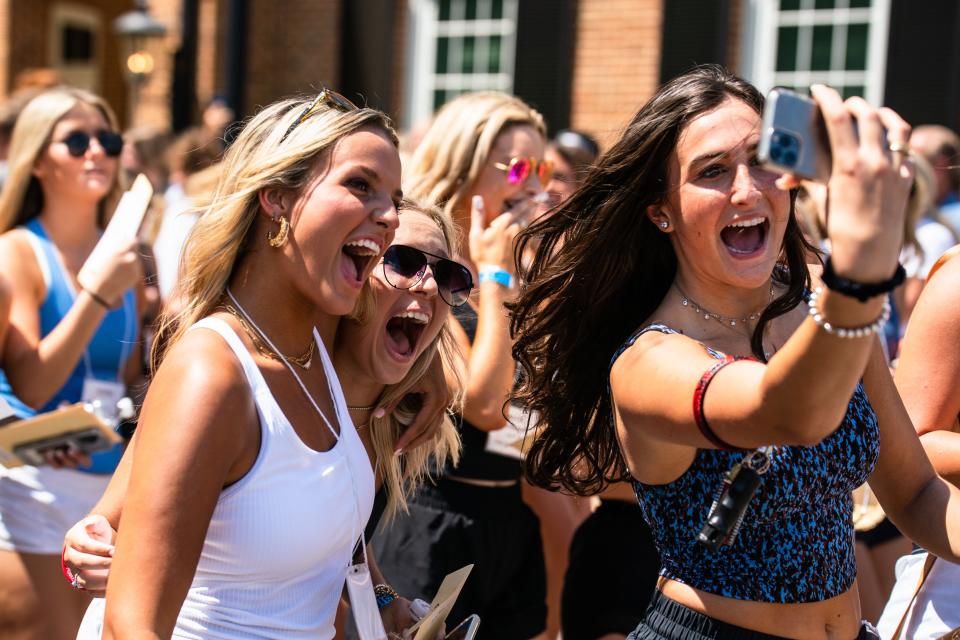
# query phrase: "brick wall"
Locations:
[[616, 63], [292, 47]]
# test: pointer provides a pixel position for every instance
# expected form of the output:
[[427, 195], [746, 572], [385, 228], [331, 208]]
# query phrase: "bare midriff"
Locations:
[[835, 619]]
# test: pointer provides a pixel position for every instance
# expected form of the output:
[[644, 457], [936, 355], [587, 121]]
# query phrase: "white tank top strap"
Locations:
[[250, 368], [336, 390]]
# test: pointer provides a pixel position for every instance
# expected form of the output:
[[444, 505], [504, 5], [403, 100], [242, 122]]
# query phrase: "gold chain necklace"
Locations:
[[303, 361], [726, 321]]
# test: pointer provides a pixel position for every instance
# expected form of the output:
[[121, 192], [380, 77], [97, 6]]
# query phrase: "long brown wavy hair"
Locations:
[[601, 268]]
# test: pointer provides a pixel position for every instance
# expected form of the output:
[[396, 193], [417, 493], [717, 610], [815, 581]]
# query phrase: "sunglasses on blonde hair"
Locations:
[[519, 169], [325, 97]]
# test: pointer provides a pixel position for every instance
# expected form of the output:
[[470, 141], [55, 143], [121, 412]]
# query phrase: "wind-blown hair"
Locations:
[[402, 476], [601, 268], [258, 159], [454, 150], [22, 197]]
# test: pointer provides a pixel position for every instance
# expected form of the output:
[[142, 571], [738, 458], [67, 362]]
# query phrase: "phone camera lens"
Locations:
[[784, 148]]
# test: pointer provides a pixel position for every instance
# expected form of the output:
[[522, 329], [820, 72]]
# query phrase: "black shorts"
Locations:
[[455, 524], [667, 619], [611, 575]]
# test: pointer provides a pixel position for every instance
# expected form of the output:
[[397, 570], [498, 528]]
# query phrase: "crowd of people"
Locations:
[[659, 392]]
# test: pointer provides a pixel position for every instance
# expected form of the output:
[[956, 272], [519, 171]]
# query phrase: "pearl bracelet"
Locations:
[[875, 327]]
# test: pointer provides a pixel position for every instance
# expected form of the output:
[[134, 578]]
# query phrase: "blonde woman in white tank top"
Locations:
[[249, 484], [393, 342]]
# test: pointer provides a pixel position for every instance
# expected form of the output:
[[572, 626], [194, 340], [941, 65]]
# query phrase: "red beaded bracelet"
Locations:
[[698, 396]]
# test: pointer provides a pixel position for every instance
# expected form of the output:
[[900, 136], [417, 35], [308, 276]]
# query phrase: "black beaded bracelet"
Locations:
[[860, 290]]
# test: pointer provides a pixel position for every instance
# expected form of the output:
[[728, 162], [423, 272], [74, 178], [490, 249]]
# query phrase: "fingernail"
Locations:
[[398, 453], [478, 202], [379, 413]]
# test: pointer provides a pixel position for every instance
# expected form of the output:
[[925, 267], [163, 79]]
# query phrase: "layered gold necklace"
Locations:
[[303, 361]]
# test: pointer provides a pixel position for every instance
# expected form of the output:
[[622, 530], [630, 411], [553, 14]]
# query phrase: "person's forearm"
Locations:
[[490, 372], [37, 374], [932, 519], [943, 449]]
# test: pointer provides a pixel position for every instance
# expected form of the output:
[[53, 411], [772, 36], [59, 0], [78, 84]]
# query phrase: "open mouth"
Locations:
[[404, 331], [747, 237], [359, 256]]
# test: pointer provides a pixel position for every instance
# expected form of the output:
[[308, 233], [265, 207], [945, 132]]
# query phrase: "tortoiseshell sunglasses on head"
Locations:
[[326, 96]]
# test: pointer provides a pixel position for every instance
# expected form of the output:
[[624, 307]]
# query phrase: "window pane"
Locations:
[[493, 60], [789, 5], [787, 48], [822, 43], [824, 4], [438, 99], [471, 10], [857, 46], [445, 9], [443, 48], [852, 90], [469, 45], [497, 12], [859, 4]]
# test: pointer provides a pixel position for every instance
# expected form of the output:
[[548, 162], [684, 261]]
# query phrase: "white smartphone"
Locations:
[[466, 630], [793, 138]]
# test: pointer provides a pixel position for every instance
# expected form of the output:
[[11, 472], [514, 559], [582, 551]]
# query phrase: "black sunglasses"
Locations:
[[79, 141], [404, 267]]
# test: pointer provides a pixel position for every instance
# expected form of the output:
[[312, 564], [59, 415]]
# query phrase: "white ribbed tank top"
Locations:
[[275, 557]]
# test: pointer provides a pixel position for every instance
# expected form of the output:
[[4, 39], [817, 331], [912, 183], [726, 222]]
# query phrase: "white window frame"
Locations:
[[759, 46], [423, 16], [85, 75]]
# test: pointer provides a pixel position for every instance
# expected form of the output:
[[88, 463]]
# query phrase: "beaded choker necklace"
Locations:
[[726, 321], [303, 361]]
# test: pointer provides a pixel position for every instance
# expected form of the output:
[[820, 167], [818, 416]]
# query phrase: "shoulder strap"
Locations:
[[942, 260], [927, 566]]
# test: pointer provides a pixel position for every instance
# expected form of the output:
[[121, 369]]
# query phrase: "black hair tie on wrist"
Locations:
[[100, 301], [862, 291]]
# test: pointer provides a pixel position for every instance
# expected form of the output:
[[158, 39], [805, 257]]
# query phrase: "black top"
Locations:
[[476, 463]]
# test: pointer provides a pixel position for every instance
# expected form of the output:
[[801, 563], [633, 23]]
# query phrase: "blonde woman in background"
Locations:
[[74, 330], [482, 161]]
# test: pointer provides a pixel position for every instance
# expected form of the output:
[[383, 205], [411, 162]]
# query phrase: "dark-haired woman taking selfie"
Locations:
[[669, 332]]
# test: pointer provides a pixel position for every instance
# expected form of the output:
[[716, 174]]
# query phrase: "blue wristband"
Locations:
[[500, 276]]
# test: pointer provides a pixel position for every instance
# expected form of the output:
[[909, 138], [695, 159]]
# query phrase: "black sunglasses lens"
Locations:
[[454, 282], [403, 266], [112, 143], [77, 143]]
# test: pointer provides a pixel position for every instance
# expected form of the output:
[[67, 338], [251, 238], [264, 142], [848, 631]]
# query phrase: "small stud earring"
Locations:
[[280, 237], [664, 225]]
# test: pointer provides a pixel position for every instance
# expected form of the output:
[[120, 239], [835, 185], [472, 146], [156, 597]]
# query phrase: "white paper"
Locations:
[[125, 224]]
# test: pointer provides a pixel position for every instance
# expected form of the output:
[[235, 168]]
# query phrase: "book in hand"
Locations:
[[124, 226], [76, 427], [428, 627]]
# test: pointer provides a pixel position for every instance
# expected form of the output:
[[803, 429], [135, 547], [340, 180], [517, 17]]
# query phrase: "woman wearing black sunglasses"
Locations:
[[74, 331], [482, 162]]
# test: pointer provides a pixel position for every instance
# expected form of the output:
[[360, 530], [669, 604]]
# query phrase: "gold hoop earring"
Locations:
[[278, 239]]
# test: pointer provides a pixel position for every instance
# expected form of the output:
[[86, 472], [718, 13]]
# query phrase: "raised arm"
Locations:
[[37, 368], [198, 432], [801, 395], [928, 376], [490, 367]]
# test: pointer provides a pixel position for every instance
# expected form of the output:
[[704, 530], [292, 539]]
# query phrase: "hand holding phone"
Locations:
[[793, 138]]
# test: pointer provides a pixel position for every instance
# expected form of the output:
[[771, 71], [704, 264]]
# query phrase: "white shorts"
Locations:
[[39, 504], [937, 608]]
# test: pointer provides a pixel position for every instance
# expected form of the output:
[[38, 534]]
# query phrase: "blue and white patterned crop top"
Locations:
[[796, 541]]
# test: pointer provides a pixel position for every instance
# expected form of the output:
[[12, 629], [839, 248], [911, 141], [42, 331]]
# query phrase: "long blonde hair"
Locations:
[[22, 197], [455, 149], [260, 158], [402, 477]]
